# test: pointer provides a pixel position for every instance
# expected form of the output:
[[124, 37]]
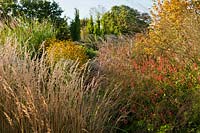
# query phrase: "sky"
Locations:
[[84, 6]]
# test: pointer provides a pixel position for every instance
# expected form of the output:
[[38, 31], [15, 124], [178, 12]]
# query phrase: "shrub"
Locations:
[[162, 85], [91, 53], [66, 50], [29, 34]]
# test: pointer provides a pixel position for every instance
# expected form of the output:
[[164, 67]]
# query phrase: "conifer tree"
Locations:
[[90, 25], [75, 28], [97, 27]]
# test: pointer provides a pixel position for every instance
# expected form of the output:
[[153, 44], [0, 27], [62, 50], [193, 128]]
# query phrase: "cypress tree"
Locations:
[[97, 27], [75, 27], [90, 26]]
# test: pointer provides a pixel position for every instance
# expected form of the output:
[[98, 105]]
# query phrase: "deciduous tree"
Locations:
[[41, 10], [122, 20]]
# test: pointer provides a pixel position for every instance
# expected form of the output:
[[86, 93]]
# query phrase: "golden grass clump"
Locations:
[[36, 97]]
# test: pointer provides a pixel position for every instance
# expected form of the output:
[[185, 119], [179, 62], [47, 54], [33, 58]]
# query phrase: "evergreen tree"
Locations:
[[90, 25], [75, 27], [97, 27], [73, 30]]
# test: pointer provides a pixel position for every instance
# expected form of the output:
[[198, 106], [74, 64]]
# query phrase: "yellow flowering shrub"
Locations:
[[58, 50]]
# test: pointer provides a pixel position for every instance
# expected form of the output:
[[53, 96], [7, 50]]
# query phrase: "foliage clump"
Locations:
[[66, 50], [29, 34], [36, 10], [160, 70], [123, 20]]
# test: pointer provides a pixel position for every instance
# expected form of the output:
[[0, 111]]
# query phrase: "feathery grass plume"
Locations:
[[38, 97], [29, 33]]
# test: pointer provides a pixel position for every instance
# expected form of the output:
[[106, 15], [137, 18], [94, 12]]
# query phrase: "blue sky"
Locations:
[[85, 5]]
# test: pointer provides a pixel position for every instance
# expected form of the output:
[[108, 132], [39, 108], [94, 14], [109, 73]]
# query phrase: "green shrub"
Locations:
[[91, 53], [29, 34]]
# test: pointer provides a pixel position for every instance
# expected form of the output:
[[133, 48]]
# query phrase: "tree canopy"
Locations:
[[41, 10], [123, 20], [120, 20]]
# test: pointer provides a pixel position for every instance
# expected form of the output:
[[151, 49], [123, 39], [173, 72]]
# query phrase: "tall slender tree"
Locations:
[[75, 27], [97, 27], [90, 25]]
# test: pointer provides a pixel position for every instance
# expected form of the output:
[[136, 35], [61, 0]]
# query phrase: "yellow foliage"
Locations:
[[58, 50], [173, 23], [169, 11]]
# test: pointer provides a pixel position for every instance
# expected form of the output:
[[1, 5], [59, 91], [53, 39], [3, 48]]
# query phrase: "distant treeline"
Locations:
[[120, 20]]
